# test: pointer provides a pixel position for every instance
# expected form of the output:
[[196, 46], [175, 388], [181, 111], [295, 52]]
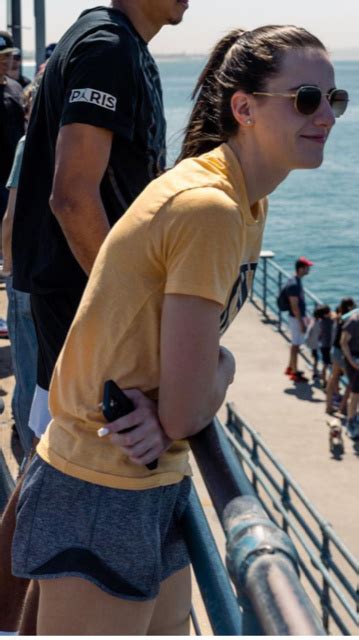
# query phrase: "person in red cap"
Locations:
[[297, 316]]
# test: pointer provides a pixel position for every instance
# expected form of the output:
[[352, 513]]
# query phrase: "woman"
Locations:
[[169, 279]]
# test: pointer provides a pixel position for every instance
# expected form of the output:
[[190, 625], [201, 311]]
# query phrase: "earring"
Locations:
[[249, 121]]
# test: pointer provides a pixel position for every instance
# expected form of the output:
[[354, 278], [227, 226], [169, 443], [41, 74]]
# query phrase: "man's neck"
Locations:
[[3, 79], [142, 22]]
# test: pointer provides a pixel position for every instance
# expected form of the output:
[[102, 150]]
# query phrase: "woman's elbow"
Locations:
[[179, 428]]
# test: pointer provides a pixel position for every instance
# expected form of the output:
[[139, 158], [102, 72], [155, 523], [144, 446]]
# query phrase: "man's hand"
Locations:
[[146, 441]]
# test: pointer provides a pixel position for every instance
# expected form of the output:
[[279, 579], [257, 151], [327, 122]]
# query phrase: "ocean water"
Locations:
[[313, 213]]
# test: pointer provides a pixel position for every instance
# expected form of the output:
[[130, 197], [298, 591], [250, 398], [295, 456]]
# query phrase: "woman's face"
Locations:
[[290, 139]]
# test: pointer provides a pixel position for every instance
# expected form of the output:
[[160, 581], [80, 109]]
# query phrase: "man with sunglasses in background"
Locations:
[[15, 71], [95, 140]]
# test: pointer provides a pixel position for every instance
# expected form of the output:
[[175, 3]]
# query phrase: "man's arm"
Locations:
[[294, 306], [344, 345], [82, 156]]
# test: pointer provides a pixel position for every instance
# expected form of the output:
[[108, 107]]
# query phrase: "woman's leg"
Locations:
[[73, 606], [171, 616], [333, 379]]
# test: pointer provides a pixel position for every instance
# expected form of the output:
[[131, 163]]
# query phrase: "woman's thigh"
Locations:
[[76, 607], [73, 606], [171, 615]]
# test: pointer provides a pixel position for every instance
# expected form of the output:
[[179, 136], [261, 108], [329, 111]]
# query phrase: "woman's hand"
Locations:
[[147, 440]]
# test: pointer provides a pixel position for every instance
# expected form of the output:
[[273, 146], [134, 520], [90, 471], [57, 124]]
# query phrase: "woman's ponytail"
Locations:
[[203, 130]]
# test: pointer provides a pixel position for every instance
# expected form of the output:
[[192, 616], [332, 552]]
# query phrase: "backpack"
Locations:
[[283, 300]]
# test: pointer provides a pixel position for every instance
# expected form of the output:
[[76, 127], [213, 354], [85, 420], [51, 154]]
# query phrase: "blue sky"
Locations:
[[336, 23]]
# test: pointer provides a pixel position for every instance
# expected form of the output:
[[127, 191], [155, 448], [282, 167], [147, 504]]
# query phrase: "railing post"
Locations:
[[255, 460], [265, 255], [325, 598], [285, 502], [280, 285]]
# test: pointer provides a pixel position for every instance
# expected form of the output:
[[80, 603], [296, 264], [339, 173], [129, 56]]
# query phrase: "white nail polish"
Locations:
[[104, 431]]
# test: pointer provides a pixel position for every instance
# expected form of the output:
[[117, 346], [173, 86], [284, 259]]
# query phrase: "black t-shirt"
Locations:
[[294, 288], [101, 74], [11, 125]]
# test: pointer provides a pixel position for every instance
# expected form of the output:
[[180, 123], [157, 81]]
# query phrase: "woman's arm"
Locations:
[[195, 372]]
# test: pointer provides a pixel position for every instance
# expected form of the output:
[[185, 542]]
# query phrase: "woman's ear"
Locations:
[[241, 109]]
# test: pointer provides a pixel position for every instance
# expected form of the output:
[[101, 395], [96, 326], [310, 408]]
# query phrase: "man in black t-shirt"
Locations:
[[297, 316], [96, 138]]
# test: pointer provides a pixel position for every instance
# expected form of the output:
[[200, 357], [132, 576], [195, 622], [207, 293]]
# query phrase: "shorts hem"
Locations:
[[98, 583]]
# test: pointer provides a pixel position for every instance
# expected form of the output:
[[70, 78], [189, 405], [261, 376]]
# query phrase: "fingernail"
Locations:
[[104, 431]]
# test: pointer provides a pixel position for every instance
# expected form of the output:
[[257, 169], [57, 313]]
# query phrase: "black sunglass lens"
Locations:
[[308, 100], [338, 101]]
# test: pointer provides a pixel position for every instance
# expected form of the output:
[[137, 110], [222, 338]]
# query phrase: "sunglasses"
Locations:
[[308, 98]]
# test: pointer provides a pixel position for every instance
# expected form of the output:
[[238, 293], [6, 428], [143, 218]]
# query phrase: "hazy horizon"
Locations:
[[204, 23]]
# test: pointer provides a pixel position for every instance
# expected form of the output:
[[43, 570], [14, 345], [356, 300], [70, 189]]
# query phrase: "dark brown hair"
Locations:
[[241, 60]]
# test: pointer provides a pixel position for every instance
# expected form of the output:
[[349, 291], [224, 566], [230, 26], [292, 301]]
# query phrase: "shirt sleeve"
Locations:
[[13, 181], [101, 86], [199, 237]]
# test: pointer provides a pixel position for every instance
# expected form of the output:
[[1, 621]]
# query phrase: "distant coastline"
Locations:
[[351, 54]]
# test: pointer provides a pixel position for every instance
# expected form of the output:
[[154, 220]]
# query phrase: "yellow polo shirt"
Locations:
[[191, 232]]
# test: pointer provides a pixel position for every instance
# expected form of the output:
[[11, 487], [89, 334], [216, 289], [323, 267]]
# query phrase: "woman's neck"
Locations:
[[260, 174]]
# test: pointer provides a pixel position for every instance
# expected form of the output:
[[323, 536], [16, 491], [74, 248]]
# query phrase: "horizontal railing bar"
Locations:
[[316, 562], [324, 524]]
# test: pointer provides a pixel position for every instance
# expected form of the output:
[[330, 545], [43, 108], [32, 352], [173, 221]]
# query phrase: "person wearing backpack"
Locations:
[[297, 316]]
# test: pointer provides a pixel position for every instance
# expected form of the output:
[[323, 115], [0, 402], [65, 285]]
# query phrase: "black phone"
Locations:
[[116, 404]]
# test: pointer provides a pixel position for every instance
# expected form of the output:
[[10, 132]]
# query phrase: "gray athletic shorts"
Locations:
[[125, 542]]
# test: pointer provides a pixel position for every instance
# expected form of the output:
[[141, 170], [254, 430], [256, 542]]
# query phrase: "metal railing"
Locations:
[[330, 569], [261, 558]]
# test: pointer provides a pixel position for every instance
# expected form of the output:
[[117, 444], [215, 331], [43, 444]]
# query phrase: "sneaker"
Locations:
[[3, 329], [298, 377]]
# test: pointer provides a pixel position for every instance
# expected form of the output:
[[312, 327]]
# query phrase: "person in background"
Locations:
[[312, 340], [338, 362], [48, 53], [12, 119], [15, 71], [21, 327], [11, 127], [349, 343], [297, 316], [99, 531], [325, 341]]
